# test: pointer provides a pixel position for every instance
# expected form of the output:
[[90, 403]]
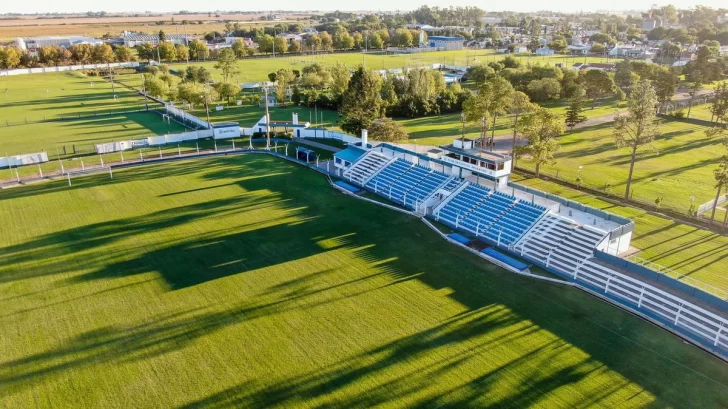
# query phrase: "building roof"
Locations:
[[350, 154], [224, 124], [154, 37], [481, 154], [443, 38]]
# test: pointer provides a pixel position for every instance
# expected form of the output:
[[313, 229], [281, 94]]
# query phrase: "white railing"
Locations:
[[652, 301], [660, 269]]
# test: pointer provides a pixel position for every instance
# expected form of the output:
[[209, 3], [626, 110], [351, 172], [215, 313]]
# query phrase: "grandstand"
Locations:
[[573, 241]]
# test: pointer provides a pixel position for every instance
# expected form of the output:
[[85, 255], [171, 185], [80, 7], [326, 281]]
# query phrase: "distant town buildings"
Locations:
[[32, 44], [135, 39], [446, 43]]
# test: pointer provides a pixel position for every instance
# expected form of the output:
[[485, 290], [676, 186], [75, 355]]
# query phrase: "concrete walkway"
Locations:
[[304, 141]]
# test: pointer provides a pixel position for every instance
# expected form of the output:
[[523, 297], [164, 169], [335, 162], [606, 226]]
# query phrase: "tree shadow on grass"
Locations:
[[501, 312]]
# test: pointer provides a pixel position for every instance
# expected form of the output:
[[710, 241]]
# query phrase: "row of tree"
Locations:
[[13, 57]]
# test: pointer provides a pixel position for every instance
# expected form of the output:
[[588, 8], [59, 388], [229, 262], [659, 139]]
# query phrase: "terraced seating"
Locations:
[[365, 167], [515, 222], [575, 248], [381, 182]]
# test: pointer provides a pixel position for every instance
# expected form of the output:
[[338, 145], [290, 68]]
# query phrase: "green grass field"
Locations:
[[679, 164], [83, 133], [39, 97], [221, 283], [693, 252], [257, 69]]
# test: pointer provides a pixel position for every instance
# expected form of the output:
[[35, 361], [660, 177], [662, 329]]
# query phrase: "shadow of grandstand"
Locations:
[[498, 313], [210, 168]]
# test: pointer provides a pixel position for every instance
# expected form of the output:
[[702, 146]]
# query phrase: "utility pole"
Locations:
[[144, 90], [267, 122]]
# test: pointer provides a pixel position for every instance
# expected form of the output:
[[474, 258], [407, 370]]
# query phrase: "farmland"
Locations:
[[218, 282]]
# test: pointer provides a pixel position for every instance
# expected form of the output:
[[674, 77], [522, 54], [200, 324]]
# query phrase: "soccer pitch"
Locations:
[[82, 133], [39, 97], [248, 282], [257, 69]]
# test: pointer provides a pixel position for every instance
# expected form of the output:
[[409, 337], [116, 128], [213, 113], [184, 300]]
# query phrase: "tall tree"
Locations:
[[167, 52], [719, 104], [721, 181], [541, 129], [574, 112], [340, 77], [694, 89], [387, 130], [665, 83], [144, 51], [362, 102], [520, 104], [638, 126], [284, 77], [491, 101], [598, 84], [124, 53], [162, 37], [198, 49], [227, 62]]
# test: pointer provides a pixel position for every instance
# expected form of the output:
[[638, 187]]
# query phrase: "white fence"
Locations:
[[20, 160], [709, 205], [179, 137], [326, 134], [41, 70], [185, 117]]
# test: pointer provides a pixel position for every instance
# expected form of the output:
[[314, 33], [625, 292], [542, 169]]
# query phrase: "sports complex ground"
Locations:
[[247, 281]]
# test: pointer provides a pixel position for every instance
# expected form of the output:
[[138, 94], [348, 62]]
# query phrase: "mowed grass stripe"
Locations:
[[248, 282]]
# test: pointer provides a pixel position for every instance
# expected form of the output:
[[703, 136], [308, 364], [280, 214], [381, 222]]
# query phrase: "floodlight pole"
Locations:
[[160, 152], [69, 178], [111, 174], [40, 171], [144, 91], [267, 122]]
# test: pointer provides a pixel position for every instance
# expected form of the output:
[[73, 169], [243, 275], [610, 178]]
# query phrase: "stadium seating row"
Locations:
[[408, 184], [495, 216]]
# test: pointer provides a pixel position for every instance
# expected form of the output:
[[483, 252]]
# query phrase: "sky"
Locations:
[[70, 6]]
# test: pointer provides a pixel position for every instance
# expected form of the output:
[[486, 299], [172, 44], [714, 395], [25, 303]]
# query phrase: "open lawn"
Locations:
[[431, 130], [679, 164], [82, 133], [39, 97], [248, 116], [220, 283], [692, 252], [257, 69], [441, 129]]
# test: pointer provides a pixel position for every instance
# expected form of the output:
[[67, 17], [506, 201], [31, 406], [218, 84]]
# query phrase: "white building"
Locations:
[[544, 51], [446, 43], [134, 39], [34, 43]]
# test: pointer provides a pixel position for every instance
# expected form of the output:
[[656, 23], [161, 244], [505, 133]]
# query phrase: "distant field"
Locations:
[[679, 164], [29, 26], [693, 252], [38, 97], [257, 69], [249, 282]]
